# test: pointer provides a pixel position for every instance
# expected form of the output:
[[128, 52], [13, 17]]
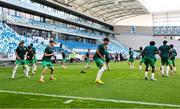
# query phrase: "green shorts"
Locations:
[[30, 62], [46, 64], [149, 61], [170, 62], [35, 59], [20, 62], [64, 60], [99, 62], [131, 60], [142, 60], [165, 61], [87, 61]]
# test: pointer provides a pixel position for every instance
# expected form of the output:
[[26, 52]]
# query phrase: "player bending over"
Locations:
[[46, 61], [172, 56], [164, 54], [99, 58], [141, 58], [131, 59], [64, 59], [20, 60], [149, 59], [30, 59]]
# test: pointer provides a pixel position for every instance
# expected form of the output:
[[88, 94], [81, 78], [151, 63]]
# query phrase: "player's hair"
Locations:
[[130, 48], [21, 42], [172, 46], [165, 42], [51, 41], [31, 44], [152, 43], [89, 49], [106, 39], [141, 48]]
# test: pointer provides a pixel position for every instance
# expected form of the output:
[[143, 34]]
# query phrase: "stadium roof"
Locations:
[[110, 11]]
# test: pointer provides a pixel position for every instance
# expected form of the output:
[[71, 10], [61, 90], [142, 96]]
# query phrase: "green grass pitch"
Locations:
[[120, 84]]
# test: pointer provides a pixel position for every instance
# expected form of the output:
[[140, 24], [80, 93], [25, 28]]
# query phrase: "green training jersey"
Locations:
[[131, 54], [150, 51], [30, 54], [164, 51], [101, 49], [172, 53], [48, 50], [21, 51]]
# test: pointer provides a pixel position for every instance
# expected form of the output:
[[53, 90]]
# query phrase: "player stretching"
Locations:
[[30, 59], [99, 59], [35, 58], [172, 56], [164, 54], [64, 59], [20, 60], [141, 58], [131, 59], [149, 59], [46, 61]]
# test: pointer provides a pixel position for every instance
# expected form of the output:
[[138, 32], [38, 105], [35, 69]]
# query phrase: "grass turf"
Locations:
[[120, 83]]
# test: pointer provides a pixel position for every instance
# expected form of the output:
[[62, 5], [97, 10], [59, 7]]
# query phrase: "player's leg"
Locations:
[[140, 64], [152, 64], [162, 66], [17, 63], [27, 68], [87, 64], [44, 71], [102, 68], [146, 62], [52, 71], [167, 67], [174, 65], [33, 67]]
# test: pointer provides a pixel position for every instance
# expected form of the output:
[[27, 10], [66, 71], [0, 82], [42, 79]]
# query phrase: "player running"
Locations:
[[149, 59], [30, 59], [46, 61], [20, 60], [99, 59], [172, 55], [131, 59], [164, 54], [141, 58], [64, 59]]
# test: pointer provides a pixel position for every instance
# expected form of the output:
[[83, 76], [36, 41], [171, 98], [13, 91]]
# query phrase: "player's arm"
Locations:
[[17, 56], [46, 54], [97, 51]]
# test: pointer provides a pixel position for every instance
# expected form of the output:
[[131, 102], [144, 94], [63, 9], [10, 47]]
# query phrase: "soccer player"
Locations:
[[35, 58], [141, 58], [149, 59], [164, 54], [99, 58], [172, 56], [64, 59], [108, 58], [87, 59], [20, 60], [46, 61], [131, 59], [30, 59]]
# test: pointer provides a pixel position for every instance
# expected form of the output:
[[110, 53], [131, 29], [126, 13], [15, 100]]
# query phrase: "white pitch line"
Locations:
[[68, 101], [90, 98]]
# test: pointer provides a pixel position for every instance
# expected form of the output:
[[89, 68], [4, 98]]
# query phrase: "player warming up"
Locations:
[[149, 59], [172, 56], [46, 61], [30, 59], [141, 56], [164, 54], [131, 59], [99, 58], [35, 58], [20, 60], [64, 59]]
